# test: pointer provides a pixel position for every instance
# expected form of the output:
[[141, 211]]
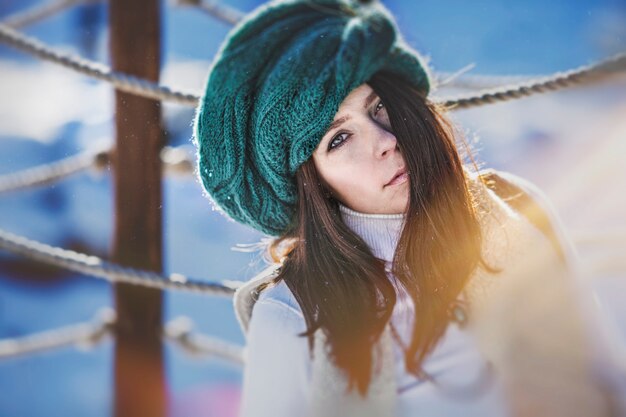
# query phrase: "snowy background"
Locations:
[[572, 144]]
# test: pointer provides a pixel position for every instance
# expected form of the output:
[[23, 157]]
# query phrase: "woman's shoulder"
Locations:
[[505, 195], [509, 187], [277, 315], [520, 230], [261, 296], [525, 199], [491, 208]]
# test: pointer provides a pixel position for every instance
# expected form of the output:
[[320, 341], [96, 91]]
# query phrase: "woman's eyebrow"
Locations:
[[369, 99], [337, 123]]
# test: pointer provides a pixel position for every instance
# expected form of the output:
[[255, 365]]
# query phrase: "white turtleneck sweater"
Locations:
[[277, 375]]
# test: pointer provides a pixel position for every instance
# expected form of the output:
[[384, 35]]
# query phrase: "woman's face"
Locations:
[[358, 157]]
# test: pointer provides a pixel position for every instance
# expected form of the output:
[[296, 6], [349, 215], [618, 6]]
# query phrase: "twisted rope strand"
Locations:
[[40, 12], [94, 266], [480, 81], [180, 332], [51, 172], [558, 81], [224, 12], [176, 161], [82, 335], [90, 334], [121, 81]]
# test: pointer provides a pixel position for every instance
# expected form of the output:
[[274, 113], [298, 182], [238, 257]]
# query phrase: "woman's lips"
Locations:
[[399, 179]]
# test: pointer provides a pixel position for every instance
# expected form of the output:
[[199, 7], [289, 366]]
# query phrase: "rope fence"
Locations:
[[461, 80], [145, 88], [123, 82], [97, 267], [176, 161], [558, 81], [51, 172], [82, 335], [89, 335]]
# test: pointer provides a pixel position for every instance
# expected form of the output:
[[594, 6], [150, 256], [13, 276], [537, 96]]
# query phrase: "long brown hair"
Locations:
[[342, 287]]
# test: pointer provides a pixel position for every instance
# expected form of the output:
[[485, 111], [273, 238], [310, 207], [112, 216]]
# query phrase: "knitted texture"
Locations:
[[273, 90]]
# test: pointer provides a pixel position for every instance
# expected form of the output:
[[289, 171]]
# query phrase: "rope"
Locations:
[[212, 7], [176, 161], [40, 12], [145, 88], [48, 173], [83, 335], [88, 335], [179, 332], [461, 80], [92, 265], [558, 81], [123, 82]]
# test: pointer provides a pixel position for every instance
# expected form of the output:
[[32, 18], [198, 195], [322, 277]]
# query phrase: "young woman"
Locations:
[[400, 277]]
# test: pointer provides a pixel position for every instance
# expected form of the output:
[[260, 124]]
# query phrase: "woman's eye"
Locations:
[[341, 138], [378, 107], [337, 141], [384, 117]]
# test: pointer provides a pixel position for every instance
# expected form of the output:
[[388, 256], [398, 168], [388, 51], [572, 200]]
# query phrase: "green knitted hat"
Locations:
[[273, 90]]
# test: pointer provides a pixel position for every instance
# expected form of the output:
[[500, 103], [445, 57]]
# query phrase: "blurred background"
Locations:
[[571, 143]]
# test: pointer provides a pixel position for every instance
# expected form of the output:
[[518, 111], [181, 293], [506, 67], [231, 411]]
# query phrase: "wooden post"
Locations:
[[139, 377]]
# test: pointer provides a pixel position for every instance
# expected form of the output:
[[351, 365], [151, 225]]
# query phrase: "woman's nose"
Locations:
[[386, 142]]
